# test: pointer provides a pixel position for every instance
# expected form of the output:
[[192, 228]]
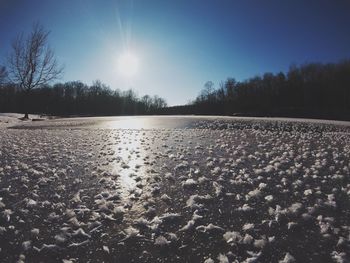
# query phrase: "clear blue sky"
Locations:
[[181, 44]]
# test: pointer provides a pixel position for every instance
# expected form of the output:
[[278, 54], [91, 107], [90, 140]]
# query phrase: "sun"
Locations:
[[128, 64]]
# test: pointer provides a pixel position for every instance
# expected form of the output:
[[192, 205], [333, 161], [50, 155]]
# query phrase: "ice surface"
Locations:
[[248, 190]]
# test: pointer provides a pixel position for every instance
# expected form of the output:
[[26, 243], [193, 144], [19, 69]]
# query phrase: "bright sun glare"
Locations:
[[128, 64]]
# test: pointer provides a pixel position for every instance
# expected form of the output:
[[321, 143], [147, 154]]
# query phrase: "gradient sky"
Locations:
[[181, 44]]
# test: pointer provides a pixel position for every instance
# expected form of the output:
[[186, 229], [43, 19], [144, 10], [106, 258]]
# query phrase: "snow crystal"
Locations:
[[308, 192], [222, 258], [131, 232], [248, 239], [269, 198], [253, 194], [53, 216], [106, 249], [161, 241], [61, 238], [295, 208], [262, 186], [260, 243], [190, 225], [218, 188], [79, 244], [170, 217], [245, 208], [254, 258], [291, 225], [209, 228], [21, 258], [70, 213], [232, 236], [339, 257], [26, 245], [31, 203], [288, 258], [195, 200], [189, 183], [7, 214], [76, 198], [165, 198], [247, 226], [34, 232], [48, 247], [341, 241], [80, 233]]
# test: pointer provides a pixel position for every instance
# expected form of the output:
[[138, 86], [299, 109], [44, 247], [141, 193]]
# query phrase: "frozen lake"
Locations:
[[175, 189], [158, 122]]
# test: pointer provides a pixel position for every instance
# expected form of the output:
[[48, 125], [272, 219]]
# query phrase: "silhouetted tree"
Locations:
[[146, 100], [207, 92], [158, 103], [3, 74], [310, 90], [32, 63], [77, 98]]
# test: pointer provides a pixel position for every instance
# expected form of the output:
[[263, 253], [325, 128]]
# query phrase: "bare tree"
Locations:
[[147, 102], [3, 74], [158, 102], [207, 91], [32, 63]]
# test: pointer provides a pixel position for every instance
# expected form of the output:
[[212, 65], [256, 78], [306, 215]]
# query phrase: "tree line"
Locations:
[[77, 98], [311, 90]]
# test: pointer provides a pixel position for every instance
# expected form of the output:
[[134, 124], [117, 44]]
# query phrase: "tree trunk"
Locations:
[[26, 103]]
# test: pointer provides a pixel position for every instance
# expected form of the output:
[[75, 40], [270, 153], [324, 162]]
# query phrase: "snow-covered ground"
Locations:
[[10, 119], [204, 190]]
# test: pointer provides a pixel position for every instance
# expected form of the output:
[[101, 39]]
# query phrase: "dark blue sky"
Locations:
[[181, 44]]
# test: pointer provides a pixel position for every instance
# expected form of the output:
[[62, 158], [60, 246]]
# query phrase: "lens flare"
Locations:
[[128, 64]]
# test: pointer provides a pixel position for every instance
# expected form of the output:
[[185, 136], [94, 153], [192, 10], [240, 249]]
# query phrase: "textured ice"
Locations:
[[220, 190]]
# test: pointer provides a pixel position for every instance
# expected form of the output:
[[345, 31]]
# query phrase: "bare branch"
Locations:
[[32, 62], [3, 74]]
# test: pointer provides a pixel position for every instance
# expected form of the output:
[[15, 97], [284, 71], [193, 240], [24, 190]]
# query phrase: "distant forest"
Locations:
[[312, 90], [77, 98]]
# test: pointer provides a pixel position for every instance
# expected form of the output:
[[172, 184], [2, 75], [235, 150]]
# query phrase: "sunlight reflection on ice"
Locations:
[[129, 123], [143, 122], [128, 150]]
